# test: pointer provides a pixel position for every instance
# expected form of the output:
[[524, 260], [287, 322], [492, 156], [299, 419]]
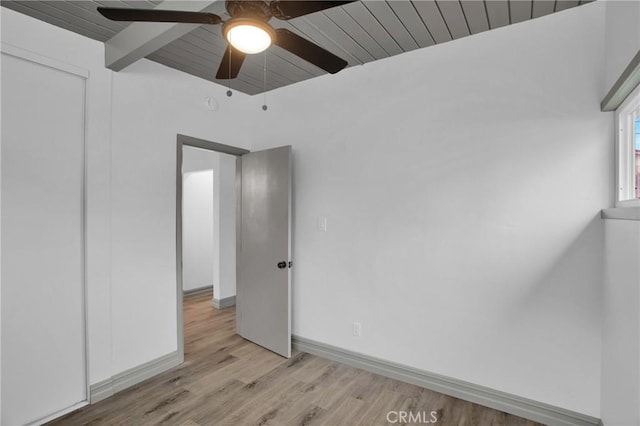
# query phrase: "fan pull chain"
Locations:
[[229, 92], [264, 83]]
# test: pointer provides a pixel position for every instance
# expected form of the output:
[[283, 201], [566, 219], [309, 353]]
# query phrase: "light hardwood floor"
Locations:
[[226, 380]]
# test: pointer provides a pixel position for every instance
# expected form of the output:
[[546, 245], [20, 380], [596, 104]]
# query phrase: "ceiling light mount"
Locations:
[[248, 35], [259, 10]]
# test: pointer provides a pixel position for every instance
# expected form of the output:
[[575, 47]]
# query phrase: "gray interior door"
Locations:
[[263, 299]]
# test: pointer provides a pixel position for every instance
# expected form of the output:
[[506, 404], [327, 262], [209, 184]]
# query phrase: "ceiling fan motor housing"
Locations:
[[258, 10]]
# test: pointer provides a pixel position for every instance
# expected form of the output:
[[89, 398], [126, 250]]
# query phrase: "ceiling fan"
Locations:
[[248, 31]]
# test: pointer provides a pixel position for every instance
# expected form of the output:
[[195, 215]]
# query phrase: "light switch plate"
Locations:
[[322, 223], [356, 329]]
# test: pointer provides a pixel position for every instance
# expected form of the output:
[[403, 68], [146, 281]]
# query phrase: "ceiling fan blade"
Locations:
[[152, 15], [287, 9], [231, 63], [309, 51]]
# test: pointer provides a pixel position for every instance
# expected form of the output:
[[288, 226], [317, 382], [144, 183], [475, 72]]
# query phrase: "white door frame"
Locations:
[[26, 55], [182, 141]]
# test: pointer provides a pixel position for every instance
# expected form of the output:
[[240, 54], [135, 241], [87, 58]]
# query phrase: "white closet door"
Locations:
[[43, 342]]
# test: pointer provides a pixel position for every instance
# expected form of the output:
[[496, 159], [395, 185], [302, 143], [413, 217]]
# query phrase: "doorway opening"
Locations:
[[199, 215], [206, 241], [262, 243]]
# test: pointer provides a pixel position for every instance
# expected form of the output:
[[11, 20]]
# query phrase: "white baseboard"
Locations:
[[512, 404], [133, 376], [198, 291], [223, 303]]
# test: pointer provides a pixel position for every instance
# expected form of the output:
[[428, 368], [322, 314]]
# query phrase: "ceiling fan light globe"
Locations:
[[248, 37]]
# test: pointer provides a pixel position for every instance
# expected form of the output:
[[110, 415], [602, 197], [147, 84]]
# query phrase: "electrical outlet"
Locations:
[[357, 329]]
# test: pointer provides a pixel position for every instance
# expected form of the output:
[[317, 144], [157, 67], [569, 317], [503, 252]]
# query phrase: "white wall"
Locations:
[[196, 159], [622, 38], [224, 216], [151, 104], [463, 185], [227, 227], [621, 293], [621, 325], [194, 260], [131, 187], [197, 230]]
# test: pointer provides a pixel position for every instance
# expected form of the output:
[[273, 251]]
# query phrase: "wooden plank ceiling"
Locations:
[[359, 32]]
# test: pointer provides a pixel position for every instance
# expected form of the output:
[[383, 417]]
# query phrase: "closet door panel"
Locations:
[[43, 325]]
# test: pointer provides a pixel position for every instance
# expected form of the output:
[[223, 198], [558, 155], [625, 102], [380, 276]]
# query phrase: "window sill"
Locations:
[[622, 213]]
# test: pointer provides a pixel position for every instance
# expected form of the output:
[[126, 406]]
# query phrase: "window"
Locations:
[[628, 173]]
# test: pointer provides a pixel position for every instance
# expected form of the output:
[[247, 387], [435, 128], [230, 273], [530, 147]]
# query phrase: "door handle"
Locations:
[[282, 265]]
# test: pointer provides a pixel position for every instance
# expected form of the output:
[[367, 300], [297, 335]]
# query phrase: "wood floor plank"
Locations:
[[348, 411], [227, 380], [376, 412]]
